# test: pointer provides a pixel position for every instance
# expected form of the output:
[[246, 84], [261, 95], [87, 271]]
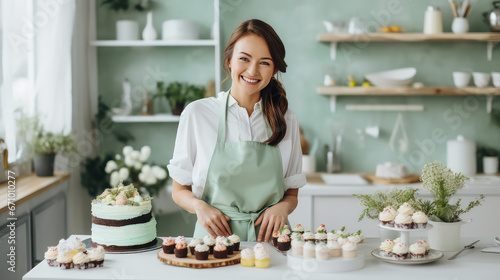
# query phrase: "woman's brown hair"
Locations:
[[273, 96]]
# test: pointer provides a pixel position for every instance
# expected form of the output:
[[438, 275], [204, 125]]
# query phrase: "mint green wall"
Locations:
[[298, 22]]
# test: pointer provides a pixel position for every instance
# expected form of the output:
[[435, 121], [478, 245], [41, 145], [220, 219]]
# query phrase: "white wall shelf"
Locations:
[[155, 43], [145, 119]]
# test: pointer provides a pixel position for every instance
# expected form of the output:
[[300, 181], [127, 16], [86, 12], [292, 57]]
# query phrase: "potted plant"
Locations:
[[179, 95], [443, 183], [126, 29]]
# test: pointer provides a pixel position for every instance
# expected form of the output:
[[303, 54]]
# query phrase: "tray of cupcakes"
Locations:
[[204, 252], [74, 254], [322, 250], [405, 220]]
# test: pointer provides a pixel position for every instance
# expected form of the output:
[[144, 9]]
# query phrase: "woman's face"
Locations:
[[251, 65]]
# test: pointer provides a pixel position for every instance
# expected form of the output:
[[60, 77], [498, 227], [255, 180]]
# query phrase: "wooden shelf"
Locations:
[[155, 43], [143, 119], [406, 91], [410, 37]]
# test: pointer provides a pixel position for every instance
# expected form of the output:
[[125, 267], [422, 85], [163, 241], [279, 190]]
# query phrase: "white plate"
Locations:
[[428, 227], [343, 179], [433, 256]]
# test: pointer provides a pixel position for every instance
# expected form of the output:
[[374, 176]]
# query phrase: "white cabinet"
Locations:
[[18, 260]]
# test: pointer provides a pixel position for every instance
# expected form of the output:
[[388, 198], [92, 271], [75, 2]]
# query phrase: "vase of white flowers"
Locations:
[[132, 167], [443, 183]]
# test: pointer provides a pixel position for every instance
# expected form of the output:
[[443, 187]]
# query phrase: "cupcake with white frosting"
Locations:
[[235, 239], [341, 240], [403, 221], [386, 248], [262, 257], [65, 260], [81, 261], [426, 245], [201, 251], [391, 210], [51, 256], [295, 235], [419, 220], [400, 251], [343, 232], [356, 237], [335, 248], [320, 236], [310, 250], [417, 250], [298, 228], [332, 236], [192, 244], [349, 250], [386, 218], [321, 228], [96, 257], [308, 236], [247, 258], [210, 242], [79, 246], [322, 251], [298, 246], [406, 209]]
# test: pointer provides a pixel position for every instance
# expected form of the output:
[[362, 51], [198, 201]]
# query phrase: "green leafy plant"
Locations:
[[443, 183], [123, 5], [375, 203], [179, 94], [94, 178]]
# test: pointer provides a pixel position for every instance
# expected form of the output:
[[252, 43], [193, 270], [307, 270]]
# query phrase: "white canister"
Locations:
[[461, 155], [308, 164], [490, 165], [433, 21], [127, 30], [446, 236]]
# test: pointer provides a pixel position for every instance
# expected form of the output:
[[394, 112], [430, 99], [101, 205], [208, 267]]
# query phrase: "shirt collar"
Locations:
[[232, 101]]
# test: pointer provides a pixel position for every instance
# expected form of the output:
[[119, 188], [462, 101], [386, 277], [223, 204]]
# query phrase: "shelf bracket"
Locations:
[[489, 102], [333, 103], [489, 49], [333, 50]]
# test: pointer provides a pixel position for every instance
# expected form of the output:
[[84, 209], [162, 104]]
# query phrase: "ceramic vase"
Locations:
[[460, 25], [446, 236], [149, 32], [127, 30], [44, 165]]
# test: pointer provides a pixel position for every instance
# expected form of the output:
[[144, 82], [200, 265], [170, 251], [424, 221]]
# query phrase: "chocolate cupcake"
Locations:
[[96, 257], [283, 242], [210, 242], [168, 245], [229, 245], [275, 238], [193, 243], [220, 251], [81, 261], [201, 252], [236, 241], [181, 250]]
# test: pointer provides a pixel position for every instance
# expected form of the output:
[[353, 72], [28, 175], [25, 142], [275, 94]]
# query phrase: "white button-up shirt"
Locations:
[[197, 136]]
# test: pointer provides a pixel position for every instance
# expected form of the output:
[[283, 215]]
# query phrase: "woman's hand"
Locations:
[[212, 219], [272, 219]]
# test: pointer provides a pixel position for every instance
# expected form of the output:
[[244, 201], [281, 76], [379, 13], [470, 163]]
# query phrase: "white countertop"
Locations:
[[471, 264]]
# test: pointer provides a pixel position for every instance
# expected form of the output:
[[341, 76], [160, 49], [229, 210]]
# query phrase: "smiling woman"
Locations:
[[237, 158]]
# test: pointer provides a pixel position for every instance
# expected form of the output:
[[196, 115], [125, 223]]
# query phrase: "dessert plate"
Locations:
[[428, 227], [87, 243], [433, 256]]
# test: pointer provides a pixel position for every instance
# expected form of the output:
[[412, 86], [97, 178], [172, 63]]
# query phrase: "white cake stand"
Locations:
[[405, 233], [311, 265]]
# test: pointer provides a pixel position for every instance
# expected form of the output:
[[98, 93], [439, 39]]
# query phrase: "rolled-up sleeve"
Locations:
[[294, 178], [181, 165]]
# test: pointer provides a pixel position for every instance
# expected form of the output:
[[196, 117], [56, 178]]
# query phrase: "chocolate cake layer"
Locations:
[[123, 248], [119, 223]]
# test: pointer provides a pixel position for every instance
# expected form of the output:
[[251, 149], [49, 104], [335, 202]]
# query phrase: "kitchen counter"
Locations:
[[471, 264]]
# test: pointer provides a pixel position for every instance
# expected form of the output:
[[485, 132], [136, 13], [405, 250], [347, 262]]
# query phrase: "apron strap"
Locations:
[[250, 217], [221, 132]]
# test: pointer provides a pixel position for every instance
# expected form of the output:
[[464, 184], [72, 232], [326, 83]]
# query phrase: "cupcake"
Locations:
[[96, 257], [220, 251], [298, 228], [168, 245], [426, 245], [201, 252], [341, 240], [229, 245], [349, 250], [320, 236], [210, 242], [391, 210], [334, 248], [298, 246], [81, 261], [65, 246], [400, 251], [321, 228], [180, 249], [310, 250], [51, 256], [397, 240], [417, 250], [406, 209], [419, 220], [283, 242], [180, 239], [295, 235], [322, 251], [262, 257], [79, 246], [257, 246], [403, 221], [386, 248], [193, 243], [332, 236], [386, 218], [275, 236], [235, 239], [285, 230], [357, 237], [65, 260], [247, 258], [308, 236], [344, 233]]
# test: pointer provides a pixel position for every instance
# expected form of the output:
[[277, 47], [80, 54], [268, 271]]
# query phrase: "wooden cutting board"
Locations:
[[191, 262], [409, 179]]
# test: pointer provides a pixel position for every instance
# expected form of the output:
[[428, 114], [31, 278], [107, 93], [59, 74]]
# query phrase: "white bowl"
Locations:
[[392, 78], [496, 78], [481, 79], [180, 29], [461, 79]]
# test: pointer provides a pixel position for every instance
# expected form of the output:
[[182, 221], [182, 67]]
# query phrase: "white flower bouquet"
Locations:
[[132, 168]]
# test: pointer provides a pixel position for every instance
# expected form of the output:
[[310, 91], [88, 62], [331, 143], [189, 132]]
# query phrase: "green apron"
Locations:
[[244, 179]]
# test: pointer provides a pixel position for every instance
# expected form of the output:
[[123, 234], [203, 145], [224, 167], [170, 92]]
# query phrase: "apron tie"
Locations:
[[250, 217]]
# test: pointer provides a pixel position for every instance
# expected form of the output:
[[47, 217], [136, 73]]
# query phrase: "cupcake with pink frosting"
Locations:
[[283, 242], [180, 249], [220, 251], [386, 248], [419, 220], [168, 245]]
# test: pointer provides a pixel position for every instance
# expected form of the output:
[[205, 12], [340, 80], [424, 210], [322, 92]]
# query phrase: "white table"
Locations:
[[471, 264]]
